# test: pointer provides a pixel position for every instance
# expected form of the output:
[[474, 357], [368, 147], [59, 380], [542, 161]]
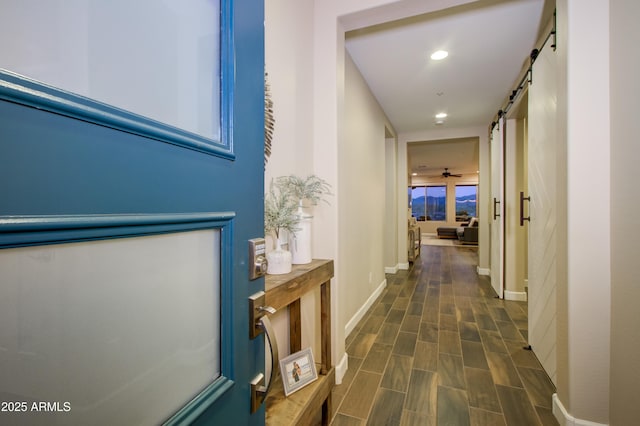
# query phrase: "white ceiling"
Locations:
[[488, 43], [428, 159]]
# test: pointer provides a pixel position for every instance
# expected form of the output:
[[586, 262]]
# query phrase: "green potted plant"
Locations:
[[279, 214], [312, 189]]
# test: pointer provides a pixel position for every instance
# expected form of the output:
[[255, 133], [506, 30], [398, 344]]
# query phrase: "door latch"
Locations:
[[257, 259], [257, 310]]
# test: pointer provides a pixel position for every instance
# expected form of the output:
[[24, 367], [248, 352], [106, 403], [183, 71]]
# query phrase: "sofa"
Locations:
[[467, 233]]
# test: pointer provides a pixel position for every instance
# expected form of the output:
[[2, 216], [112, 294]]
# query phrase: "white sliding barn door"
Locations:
[[497, 208], [542, 210]]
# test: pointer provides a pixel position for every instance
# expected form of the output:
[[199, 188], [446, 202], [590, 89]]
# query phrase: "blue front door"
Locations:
[[81, 176]]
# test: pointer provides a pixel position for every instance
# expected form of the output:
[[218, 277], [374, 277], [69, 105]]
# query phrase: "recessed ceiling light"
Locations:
[[414, 174], [441, 115], [440, 54], [439, 122]]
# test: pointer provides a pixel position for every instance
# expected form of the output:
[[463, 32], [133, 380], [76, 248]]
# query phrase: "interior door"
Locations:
[[497, 209], [542, 210], [124, 274]]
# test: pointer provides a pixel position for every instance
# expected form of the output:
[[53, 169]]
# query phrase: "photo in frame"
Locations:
[[297, 370]]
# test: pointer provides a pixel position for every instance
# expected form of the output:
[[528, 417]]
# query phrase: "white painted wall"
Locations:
[[391, 211], [289, 64], [584, 308], [361, 204], [625, 291]]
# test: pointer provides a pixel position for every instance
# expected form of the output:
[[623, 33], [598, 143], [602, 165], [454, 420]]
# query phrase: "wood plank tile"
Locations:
[[408, 287], [430, 314], [396, 375], [481, 390], [411, 323], [453, 407], [464, 314], [358, 400], [522, 357], [387, 408], [428, 332], [448, 322], [516, 406], [377, 358], [388, 333], [381, 309], [502, 370], [479, 307], [388, 297], [447, 308], [354, 366], [411, 418], [405, 344], [515, 311], [492, 342], [509, 331], [395, 316], [415, 308], [469, 331], [361, 345], [372, 324], [485, 418], [473, 355], [343, 420], [426, 356], [451, 371], [499, 313], [546, 417], [422, 393], [401, 303], [449, 342], [538, 386], [485, 322]]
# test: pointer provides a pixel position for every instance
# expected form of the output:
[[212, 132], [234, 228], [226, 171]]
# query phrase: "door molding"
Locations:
[[26, 91], [30, 230], [24, 231]]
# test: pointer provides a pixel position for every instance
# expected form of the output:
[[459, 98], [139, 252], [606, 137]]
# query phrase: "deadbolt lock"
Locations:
[[257, 259]]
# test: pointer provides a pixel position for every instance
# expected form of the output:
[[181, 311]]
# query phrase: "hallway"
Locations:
[[438, 349]]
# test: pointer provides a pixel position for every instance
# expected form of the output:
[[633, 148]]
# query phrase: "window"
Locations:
[[429, 202], [437, 202], [466, 196], [417, 202]]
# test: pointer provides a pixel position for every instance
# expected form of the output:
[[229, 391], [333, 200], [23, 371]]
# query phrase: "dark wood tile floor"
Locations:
[[438, 348]]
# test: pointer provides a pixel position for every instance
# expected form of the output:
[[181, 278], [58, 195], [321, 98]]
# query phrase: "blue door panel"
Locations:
[[51, 164]]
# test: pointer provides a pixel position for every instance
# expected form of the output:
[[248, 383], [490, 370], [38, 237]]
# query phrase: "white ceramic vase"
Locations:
[[300, 240], [279, 260]]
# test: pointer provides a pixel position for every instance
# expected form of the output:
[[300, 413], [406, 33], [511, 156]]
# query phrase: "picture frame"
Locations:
[[297, 371]]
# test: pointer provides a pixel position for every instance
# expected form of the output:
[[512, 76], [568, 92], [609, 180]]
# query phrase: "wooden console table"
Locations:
[[302, 407]]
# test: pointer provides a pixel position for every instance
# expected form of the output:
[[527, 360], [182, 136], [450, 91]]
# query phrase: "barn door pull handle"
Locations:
[[522, 200], [495, 208], [259, 391]]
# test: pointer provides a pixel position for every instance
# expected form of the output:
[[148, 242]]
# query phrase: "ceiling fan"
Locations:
[[446, 173]]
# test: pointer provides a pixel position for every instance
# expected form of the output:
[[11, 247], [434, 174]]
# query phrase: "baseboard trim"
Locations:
[[403, 266], [364, 308], [484, 271], [341, 368], [391, 269], [515, 295], [566, 419]]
